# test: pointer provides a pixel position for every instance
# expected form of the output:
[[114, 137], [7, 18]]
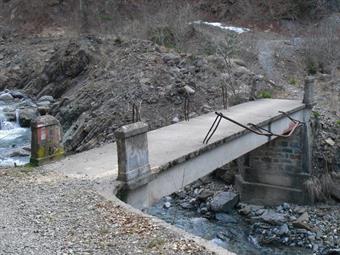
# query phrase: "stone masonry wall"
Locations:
[[282, 154], [279, 162]]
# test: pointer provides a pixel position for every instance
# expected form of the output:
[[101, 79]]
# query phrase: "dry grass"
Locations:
[[319, 188], [321, 48], [314, 189], [167, 23]]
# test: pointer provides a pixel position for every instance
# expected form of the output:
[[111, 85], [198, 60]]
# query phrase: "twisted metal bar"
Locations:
[[254, 128]]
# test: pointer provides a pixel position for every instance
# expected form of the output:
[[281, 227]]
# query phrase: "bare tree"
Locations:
[[321, 47], [227, 49]]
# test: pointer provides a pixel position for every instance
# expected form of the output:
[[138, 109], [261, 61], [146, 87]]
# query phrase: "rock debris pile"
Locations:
[[316, 228]]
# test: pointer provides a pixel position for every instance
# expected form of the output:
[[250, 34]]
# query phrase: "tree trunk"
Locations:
[[83, 17]]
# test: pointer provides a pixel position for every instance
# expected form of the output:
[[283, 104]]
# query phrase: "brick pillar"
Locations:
[[133, 155], [46, 141]]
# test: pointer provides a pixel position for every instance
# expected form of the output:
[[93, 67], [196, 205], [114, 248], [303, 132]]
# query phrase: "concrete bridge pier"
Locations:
[[275, 172]]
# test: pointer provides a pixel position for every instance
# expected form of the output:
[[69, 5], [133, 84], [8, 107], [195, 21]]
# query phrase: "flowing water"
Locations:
[[14, 140], [233, 236]]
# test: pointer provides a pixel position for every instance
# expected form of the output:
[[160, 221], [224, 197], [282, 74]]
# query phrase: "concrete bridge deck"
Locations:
[[182, 141], [172, 145]]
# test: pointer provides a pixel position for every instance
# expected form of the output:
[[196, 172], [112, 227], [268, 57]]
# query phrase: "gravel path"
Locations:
[[267, 50], [46, 213]]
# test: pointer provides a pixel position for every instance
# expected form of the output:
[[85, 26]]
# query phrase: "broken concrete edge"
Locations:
[[215, 144], [208, 245], [131, 130]]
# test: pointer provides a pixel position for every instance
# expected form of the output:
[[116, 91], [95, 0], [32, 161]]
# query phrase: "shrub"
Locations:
[[265, 94], [162, 36], [311, 66], [321, 48], [167, 23], [316, 114], [293, 81]]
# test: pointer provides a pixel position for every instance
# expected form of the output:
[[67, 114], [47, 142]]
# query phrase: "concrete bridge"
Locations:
[[153, 164]]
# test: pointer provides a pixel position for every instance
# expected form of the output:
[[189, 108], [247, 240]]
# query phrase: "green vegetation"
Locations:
[[293, 81], [265, 94], [312, 67], [106, 18], [316, 114], [163, 36], [337, 123]]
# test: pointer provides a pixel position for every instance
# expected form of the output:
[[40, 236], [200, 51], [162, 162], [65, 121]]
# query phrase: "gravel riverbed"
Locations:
[[209, 208]]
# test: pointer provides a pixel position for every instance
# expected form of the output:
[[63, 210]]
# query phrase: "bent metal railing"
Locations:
[[295, 124]]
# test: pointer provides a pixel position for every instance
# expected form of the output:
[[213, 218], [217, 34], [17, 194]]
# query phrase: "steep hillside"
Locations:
[[98, 81], [114, 16], [102, 59]]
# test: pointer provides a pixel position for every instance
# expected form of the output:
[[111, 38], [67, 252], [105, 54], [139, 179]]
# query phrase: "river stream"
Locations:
[[233, 235], [14, 140]]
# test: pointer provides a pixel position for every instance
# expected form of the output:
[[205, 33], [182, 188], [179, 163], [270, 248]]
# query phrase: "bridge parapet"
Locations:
[[133, 155]]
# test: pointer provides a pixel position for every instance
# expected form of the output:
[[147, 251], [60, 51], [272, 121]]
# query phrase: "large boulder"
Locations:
[[27, 103], [26, 115], [225, 218], [6, 97], [9, 113], [335, 193], [241, 70], [224, 202], [199, 225], [171, 59], [19, 152], [18, 94], [273, 217], [46, 99]]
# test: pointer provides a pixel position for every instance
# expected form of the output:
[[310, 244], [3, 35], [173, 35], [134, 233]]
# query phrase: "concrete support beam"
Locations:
[[133, 155], [308, 100], [267, 194], [46, 142]]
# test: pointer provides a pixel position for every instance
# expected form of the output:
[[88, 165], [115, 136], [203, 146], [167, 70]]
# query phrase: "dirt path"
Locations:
[[46, 213], [267, 51]]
